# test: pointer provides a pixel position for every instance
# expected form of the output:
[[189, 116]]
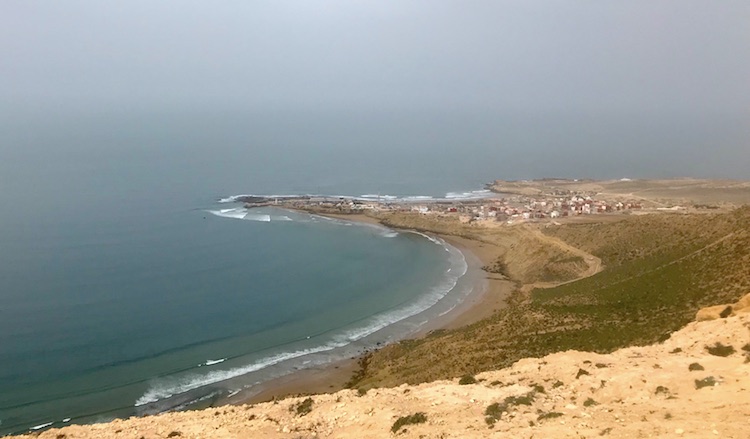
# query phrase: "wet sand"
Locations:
[[488, 296]]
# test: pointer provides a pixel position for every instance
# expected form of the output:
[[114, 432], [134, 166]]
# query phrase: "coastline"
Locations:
[[489, 294]]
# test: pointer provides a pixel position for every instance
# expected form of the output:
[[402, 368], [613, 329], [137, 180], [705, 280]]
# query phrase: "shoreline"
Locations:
[[489, 294]]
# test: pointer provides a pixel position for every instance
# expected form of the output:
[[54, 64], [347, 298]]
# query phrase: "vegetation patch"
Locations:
[[590, 402], [416, 418], [499, 267], [494, 411], [467, 379], [706, 382], [302, 408], [661, 390], [548, 415], [695, 366], [720, 350]]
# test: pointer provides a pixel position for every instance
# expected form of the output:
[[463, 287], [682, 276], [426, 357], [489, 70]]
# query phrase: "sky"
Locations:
[[624, 56], [488, 89]]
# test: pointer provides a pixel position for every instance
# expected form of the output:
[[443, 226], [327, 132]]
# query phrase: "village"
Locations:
[[494, 208]]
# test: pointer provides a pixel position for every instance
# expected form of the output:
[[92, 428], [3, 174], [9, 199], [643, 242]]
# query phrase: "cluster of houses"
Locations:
[[524, 208], [495, 208]]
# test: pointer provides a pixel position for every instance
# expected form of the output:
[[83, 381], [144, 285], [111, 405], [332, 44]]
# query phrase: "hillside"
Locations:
[[521, 254], [694, 385], [659, 270]]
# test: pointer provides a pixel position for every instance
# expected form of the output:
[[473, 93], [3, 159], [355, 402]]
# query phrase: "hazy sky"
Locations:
[[632, 56]]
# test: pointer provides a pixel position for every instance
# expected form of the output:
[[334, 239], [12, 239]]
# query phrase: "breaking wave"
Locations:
[[168, 387], [472, 195], [452, 196], [244, 214], [40, 426], [212, 362]]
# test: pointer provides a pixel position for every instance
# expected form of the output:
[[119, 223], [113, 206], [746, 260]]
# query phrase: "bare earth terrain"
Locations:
[[681, 191]]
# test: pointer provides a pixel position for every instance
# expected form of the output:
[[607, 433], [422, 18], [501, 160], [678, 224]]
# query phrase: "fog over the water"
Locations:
[[123, 123], [509, 89]]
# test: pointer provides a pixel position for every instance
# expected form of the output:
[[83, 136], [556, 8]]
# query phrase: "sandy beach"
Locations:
[[488, 296]]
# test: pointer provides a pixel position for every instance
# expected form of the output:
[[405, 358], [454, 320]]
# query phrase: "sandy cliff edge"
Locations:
[[679, 388]]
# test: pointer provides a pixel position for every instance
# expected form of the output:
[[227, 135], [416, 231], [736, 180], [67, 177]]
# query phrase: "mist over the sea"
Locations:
[[124, 281]]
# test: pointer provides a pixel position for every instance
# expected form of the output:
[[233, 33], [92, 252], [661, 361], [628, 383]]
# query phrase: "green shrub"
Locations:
[[706, 382], [720, 350], [302, 408], [589, 402], [494, 411], [416, 418], [661, 390], [467, 379], [549, 415]]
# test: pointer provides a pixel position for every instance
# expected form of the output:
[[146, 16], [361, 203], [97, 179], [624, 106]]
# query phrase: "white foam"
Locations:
[[66, 420], [212, 362], [379, 322], [390, 234], [472, 195], [258, 217], [378, 197], [448, 310], [168, 387], [40, 426], [241, 213], [435, 240], [233, 198], [238, 213]]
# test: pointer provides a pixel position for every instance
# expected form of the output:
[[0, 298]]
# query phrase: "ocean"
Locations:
[[130, 283]]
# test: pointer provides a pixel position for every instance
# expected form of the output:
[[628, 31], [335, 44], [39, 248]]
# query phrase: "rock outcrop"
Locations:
[[723, 311], [694, 385]]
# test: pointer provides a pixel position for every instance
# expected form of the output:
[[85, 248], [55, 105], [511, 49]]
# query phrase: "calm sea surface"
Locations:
[[126, 287]]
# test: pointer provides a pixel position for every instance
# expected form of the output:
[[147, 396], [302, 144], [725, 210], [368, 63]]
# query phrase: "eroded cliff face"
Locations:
[[694, 385]]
